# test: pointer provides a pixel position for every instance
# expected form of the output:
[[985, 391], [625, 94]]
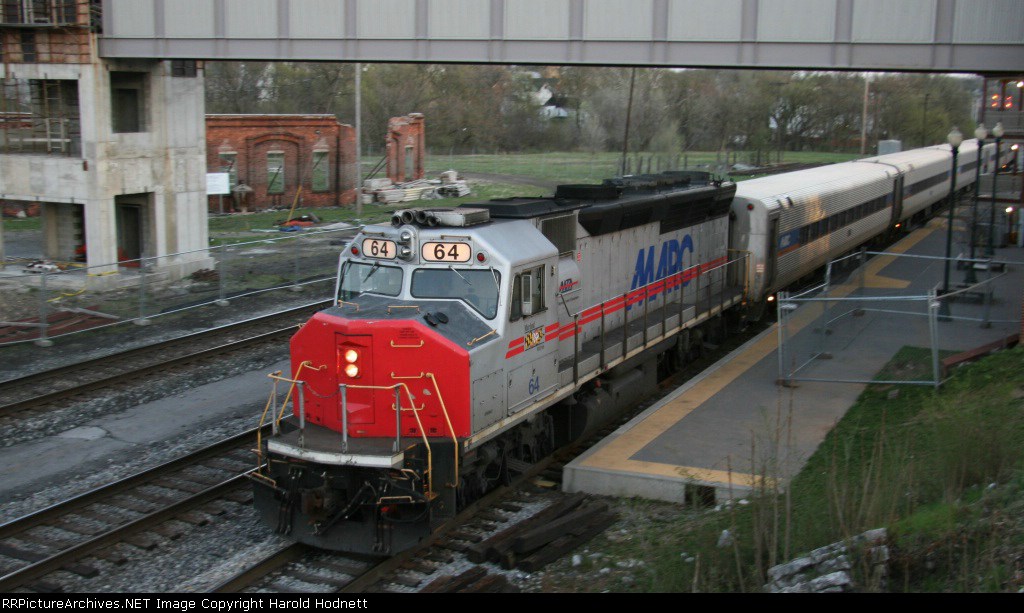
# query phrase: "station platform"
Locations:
[[719, 431]]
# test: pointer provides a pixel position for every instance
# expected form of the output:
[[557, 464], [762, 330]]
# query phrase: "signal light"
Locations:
[[355, 250], [351, 355], [481, 257], [352, 371]]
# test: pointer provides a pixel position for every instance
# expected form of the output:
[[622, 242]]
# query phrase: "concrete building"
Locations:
[[112, 150], [280, 160]]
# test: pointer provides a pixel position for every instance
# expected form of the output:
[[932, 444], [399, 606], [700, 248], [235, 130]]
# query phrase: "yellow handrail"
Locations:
[[294, 382], [259, 430], [451, 430], [407, 346], [412, 407], [480, 338]]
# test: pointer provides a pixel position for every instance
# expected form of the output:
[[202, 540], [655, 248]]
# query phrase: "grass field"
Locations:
[[575, 167]]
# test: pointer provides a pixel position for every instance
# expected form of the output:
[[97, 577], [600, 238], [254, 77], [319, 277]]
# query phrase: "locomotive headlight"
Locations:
[[405, 239], [351, 357]]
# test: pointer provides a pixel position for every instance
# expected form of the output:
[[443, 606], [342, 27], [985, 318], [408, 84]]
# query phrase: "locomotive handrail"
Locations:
[[277, 377], [403, 306], [397, 387], [643, 294], [480, 338], [451, 430], [407, 346], [353, 304]]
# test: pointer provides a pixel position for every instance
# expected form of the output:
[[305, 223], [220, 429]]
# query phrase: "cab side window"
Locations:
[[527, 293], [516, 308]]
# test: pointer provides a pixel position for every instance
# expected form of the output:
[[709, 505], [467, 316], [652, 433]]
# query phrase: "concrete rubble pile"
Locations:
[[386, 192], [829, 568]]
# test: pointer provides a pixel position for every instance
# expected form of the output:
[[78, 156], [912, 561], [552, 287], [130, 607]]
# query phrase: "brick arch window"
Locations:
[[320, 172], [275, 163], [275, 172]]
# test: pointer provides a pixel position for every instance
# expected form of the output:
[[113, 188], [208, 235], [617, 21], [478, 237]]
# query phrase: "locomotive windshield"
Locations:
[[358, 278], [477, 288]]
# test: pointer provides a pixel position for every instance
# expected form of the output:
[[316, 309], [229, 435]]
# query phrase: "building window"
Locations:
[[28, 47], [40, 116], [228, 164], [321, 173], [275, 172], [128, 101], [39, 11], [183, 68]]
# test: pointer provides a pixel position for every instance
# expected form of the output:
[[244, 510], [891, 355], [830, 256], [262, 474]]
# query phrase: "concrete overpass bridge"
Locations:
[[983, 36]]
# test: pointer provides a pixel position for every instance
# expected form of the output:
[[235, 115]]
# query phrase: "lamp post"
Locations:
[[954, 138], [997, 133], [979, 133]]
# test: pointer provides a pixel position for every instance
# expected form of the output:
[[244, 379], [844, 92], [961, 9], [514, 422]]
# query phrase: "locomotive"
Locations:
[[453, 333], [464, 344]]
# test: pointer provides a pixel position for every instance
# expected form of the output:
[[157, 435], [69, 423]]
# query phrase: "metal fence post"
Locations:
[[44, 324], [823, 327], [781, 318], [862, 274], [222, 276], [933, 330], [987, 318], [142, 320], [295, 287]]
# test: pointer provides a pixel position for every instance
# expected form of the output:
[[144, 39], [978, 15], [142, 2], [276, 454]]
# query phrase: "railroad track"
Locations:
[[44, 389], [161, 502], [300, 568], [459, 543]]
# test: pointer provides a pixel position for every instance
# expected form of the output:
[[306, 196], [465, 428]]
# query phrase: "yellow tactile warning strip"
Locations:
[[616, 454], [876, 281]]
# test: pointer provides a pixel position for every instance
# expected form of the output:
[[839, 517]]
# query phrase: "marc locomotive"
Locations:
[[465, 344]]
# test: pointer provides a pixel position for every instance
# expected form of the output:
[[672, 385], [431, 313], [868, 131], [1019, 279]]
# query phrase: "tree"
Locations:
[[236, 87]]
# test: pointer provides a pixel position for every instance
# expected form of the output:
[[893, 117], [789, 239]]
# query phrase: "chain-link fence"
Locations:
[[847, 328], [43, 302]]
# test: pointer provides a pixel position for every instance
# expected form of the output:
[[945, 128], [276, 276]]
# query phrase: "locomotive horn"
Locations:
[[396, 220], [407, 216], [421, 217], [432, 221]]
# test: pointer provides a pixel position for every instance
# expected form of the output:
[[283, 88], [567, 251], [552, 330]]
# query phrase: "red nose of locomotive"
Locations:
[[365, 362]]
